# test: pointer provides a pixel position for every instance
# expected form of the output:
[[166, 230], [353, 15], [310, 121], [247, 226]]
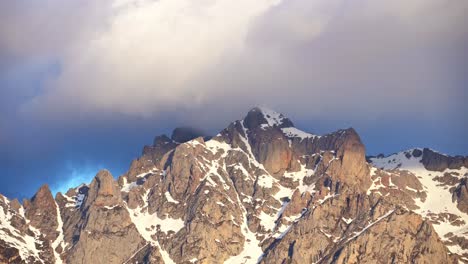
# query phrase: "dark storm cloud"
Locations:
[[84, 84]]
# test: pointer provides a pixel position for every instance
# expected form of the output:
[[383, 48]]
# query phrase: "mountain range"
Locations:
[[260, 191]]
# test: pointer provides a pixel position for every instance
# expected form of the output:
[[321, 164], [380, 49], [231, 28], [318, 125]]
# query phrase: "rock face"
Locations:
[[435, 161], [354, 235], [41, 211], [460, 195], [260, 191], [105, 233], [9, 254]]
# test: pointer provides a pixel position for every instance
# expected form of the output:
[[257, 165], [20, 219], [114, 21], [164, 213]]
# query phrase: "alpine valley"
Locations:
[[261, 191]]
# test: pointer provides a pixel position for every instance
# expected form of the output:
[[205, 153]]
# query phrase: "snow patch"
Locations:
[[376, 183], [111, 207], [273, 118], [146, 224], [59, 241], [267, 221], [265, 181], [293, 132], [170, 199]]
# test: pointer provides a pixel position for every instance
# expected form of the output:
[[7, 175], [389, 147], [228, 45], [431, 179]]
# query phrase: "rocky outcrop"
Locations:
[[259, 117], [9, 254], [41, 211], [351, 168], [162, 144], [435, 161], [105, 233], [460, 195]]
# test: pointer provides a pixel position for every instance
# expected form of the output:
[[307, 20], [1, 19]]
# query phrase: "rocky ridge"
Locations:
[[261, 191]]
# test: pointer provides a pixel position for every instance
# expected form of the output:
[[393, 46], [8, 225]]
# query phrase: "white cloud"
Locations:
[[144, 57]]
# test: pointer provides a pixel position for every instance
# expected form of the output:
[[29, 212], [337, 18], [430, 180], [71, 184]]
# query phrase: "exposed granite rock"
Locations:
[[41, 210], [9, 254], [104, 232], [435, 161], [352, 167], [460, 195], [162, 145], [271, 148]]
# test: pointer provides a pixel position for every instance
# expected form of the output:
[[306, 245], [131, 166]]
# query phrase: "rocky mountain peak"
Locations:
[[43, 192], [105, 182], [103, 190], [42, 199], [41, 211], [261, 117], [352, 153]]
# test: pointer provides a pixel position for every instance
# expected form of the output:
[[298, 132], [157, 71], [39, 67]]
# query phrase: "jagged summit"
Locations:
[[261, 191], [262, 117]]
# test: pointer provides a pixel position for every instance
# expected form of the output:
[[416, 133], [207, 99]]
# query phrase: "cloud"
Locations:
[[361, 60], [148, 54], [146, 57]]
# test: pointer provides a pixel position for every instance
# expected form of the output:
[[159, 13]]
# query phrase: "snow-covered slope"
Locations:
[[438, 204], [11, 233]]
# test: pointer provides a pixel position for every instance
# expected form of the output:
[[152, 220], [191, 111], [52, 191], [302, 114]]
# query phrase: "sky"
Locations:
[[85, 84]]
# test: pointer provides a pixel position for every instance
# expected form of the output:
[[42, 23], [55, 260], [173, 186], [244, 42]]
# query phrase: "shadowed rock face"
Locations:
[[262, 190], [41, 210], [258, 117], [9, 254], [460, 195], [438, 162]]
